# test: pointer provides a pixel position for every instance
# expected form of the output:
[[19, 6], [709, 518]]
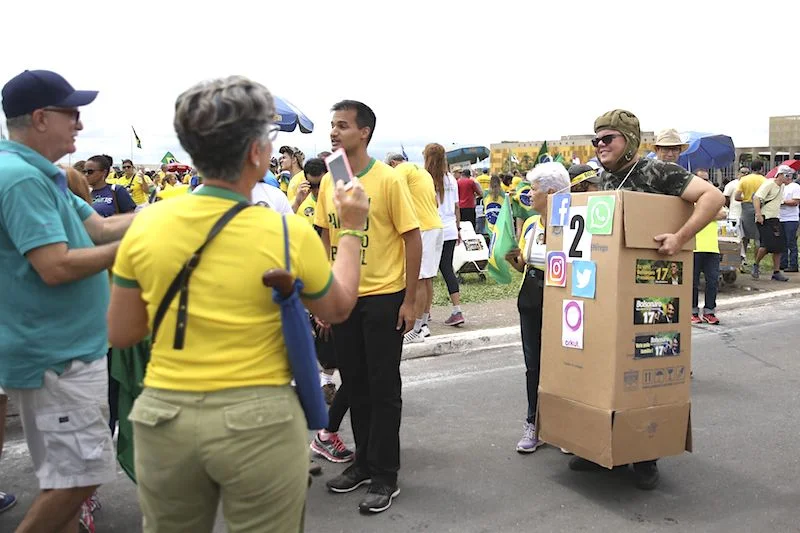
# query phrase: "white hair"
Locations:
[[550, 177]]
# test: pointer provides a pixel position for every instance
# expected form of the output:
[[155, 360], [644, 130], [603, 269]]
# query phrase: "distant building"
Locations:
[[784, 143], [569, 146]]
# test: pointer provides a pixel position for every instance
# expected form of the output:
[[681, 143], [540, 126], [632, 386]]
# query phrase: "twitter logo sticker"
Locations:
[[584, 279]]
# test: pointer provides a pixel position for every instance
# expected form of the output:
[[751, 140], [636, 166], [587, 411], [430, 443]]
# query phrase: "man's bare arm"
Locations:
[[56, 264]]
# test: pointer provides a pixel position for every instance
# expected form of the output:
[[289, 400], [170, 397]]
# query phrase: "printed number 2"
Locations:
[[577, 223]]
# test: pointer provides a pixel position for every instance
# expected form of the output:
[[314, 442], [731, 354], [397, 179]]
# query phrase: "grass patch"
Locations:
[[473, 290]]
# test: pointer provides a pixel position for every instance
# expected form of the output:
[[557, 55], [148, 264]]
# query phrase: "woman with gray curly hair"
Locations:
[[217, 418], [529, 258]]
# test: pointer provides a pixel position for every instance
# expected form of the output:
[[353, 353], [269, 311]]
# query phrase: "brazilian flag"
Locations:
[[168, 158], [503, 241], [521, 201], [544, 155]]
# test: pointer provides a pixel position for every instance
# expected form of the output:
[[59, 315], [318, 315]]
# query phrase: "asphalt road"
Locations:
[[463, 414]]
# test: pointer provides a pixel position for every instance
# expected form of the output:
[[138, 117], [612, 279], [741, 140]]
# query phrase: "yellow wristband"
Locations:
[[353, 232]]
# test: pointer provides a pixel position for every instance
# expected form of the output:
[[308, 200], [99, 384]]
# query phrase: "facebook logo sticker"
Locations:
[[560, 214]]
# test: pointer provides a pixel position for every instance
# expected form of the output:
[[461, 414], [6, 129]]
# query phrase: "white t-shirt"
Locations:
[[447, 208], [271, 197], [535, 251], [735, 210], [790, 213]]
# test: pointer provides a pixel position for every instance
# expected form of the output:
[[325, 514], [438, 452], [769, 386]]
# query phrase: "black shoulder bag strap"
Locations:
[[181, 281]]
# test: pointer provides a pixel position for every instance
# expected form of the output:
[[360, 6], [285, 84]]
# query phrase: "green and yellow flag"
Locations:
[[168, 158], [543, 156], [503, 241]]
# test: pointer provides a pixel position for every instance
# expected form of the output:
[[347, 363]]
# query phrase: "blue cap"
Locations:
[[37, 89]]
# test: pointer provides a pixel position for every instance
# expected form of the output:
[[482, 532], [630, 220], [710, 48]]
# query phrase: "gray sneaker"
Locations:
[[528, 443], [756, 272], [778, 276]]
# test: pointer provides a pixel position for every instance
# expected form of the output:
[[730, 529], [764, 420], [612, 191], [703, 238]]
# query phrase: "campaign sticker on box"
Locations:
[[560, 214], [657, 345], [655, 310], [572, 324], [600, 219], [556, 275], [577, 241], [659, 272], [584, 279]]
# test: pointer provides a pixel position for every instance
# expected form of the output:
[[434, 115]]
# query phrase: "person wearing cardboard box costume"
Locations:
[[616, 145]]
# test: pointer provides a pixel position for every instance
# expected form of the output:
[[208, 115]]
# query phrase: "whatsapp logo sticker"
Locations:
[[601, 215]]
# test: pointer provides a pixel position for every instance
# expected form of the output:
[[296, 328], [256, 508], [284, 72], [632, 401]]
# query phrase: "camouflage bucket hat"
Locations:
[[627, 124]]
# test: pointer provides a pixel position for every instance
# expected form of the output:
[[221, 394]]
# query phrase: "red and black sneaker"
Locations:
[[710, 318], [696, 319]]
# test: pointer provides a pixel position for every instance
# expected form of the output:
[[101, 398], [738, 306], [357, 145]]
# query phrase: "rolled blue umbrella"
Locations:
[[706, 151], [288, 117], [298, 340]]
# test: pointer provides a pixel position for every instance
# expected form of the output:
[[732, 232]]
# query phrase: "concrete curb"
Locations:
[[471, 340]]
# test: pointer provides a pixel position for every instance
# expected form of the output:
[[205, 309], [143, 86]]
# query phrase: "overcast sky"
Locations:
[[448, 72]]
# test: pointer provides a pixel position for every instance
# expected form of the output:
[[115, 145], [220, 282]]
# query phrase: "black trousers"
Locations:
[[529, 305], [113, 397], [326, 355], [446, 267], [468, 214], [368, 349]]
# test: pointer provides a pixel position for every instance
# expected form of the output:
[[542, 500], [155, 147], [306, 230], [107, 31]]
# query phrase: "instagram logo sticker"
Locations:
[[556, 269]]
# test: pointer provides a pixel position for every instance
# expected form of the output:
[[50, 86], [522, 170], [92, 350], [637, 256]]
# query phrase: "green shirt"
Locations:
[[43, 327]]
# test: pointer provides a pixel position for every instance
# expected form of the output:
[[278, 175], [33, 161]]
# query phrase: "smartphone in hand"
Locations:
[[339, 167]]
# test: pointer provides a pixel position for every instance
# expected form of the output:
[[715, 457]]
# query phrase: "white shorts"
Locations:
[[66, 427], [432, 242]]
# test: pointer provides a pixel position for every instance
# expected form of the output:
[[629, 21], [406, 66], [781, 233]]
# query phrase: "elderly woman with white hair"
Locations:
[[217, 419], [529, 258]]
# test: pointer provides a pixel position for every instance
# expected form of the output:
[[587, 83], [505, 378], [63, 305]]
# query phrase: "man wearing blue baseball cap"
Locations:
[[55, 251]]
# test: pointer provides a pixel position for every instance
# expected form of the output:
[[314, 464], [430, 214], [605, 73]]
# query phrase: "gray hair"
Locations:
[[19, 123], [550, 176], [217, 122]]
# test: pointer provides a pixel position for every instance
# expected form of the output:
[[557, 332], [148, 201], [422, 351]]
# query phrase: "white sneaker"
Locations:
[[413, 337], [425, 331]]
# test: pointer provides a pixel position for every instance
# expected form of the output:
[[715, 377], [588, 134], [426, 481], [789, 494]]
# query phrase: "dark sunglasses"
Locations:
[[605, 139], [73, 113], [90, 171]]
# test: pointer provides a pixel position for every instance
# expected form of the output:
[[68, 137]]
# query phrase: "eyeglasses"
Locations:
[[669, 148], [605, 139], [272, 132], [75, 114], [90, 171]]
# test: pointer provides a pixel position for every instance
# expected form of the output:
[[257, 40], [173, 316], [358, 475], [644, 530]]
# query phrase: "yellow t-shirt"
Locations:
[[531, 243], [706, 239], [484, 180], [391, 214], [134, 186], [749, 185], [112, 177], [171, 191], [294, 183], [516, 180], [423, 195], [506, 188], [307, 208], [233, 336]]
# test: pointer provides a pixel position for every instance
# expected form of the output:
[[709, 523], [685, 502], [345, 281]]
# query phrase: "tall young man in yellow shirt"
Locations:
[[370, 342], [423, 196]]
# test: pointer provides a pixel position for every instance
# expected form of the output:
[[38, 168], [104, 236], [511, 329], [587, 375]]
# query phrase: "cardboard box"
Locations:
[[616, 334]]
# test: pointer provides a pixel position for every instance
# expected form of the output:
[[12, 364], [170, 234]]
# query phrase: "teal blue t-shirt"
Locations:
[[43, 327]]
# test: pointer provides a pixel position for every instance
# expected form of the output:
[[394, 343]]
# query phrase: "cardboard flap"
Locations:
[[646, 215]]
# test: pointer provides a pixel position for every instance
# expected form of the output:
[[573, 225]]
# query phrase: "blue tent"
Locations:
[[706, 150], [288, 117]]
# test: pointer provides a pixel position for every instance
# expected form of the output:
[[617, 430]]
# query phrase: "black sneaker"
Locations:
[[349, 480], [647, 476], [378, 499]]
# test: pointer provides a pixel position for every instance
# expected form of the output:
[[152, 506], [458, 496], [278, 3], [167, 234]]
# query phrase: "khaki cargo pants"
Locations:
[[247, 446]]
